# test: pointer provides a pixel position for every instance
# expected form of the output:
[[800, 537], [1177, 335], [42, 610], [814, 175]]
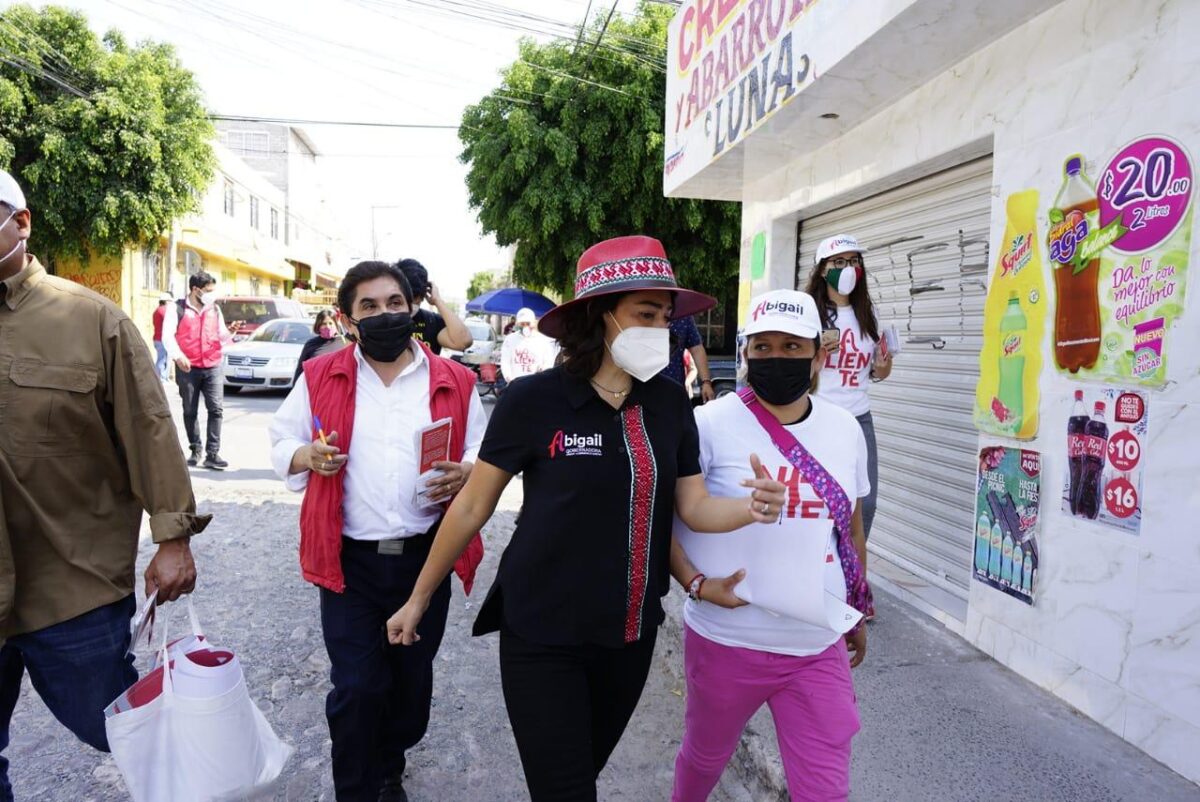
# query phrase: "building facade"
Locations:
[[1022, 175]]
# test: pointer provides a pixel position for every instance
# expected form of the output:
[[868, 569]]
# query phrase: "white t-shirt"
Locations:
[[729, 434], [525, 354], [847, 371]]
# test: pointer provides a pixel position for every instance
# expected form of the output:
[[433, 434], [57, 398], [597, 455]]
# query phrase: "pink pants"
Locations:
[[811, 699]]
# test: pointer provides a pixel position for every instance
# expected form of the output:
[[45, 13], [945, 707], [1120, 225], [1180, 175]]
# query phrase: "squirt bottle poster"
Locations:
[[1118, 248], [1014, 318]]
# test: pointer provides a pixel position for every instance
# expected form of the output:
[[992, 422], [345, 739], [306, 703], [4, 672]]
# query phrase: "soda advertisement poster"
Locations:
[[1106, 438], [1118, 247], [1014, 314], [1007, 499]]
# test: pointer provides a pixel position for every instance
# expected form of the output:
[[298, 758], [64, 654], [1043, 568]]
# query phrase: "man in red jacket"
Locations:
[[347, 437], [194, 334]]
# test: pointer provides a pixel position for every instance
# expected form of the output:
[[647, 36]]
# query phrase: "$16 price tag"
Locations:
[[1121, 498]]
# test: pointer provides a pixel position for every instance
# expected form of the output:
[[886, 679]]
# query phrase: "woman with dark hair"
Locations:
[[326, 339], [609, 454], [852, 342]]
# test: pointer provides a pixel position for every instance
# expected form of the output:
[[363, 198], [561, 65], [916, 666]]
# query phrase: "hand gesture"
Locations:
[[402, 626], [434, 296], [856, 644], [454, 476], [719, 590], [326, 459], [768, 496], [236, 326], [183, 364], [172, 572]]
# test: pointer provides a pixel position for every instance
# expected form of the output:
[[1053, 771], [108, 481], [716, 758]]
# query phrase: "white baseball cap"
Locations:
[[166, 296], [10, 192], [526, 315], [787, 311], [839, 244]]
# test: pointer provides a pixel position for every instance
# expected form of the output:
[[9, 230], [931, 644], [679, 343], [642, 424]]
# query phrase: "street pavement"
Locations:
[[941, 721]]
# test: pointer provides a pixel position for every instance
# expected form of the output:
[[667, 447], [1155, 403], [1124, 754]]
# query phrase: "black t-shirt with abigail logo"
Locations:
[[589, 561]]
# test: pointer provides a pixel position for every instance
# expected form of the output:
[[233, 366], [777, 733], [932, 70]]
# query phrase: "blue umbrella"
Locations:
[[509, 301]]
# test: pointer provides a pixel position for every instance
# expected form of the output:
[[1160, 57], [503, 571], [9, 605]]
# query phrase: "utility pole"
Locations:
[[374, 239]]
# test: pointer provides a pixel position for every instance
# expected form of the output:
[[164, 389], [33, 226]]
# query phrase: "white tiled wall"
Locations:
[[1116, 627]]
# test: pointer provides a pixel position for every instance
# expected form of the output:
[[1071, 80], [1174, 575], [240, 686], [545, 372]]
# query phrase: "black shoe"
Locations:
[[194, 460], [215, 463], [393, 789]]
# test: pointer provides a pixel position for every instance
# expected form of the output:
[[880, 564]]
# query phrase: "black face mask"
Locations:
[[779, 380], [384, 337]]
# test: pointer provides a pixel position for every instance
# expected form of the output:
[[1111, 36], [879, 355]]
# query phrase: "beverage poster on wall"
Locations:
[[1008, 495], [1106, 438], [1014, 314], [1118, 248]]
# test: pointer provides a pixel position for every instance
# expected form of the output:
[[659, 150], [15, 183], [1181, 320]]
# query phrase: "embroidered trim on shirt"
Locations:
[[644, 475]]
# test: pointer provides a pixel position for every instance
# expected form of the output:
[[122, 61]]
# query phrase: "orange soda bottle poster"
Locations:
[[1014, 319], [1118, 248]]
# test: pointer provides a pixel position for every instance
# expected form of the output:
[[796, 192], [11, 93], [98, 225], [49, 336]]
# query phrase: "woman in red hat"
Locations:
[[609, 454]]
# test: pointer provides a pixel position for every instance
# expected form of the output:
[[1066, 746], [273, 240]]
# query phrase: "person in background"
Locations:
[[326, 339], [690, 374], [195, 337], [162, 362], [363, 532], [739, 656], [87, 446], [440, 329], [686, 337], [525, 351], [854, 358], [608, 451]]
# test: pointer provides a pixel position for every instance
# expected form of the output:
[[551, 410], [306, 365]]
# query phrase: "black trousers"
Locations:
[[209, 383], [569, 706], [379, 705]]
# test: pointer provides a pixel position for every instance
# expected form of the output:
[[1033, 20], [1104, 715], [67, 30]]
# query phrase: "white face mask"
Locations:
[[208, 298], [642, 352], [20, 242]]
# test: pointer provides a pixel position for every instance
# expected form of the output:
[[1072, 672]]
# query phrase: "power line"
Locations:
[[246, 118]]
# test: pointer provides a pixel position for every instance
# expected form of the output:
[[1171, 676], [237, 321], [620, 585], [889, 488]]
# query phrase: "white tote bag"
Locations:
[[196, 748]]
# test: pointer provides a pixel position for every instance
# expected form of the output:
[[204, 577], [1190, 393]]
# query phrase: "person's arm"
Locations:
[[881, 367], [157, 474], [467, 515], [295, 454], [717, 590], [455, 335], [711, 514], [455, 474], [700, 360], [227, 332]]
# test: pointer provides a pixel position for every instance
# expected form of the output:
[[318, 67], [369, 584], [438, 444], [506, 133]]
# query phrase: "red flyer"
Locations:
[[433, 444]]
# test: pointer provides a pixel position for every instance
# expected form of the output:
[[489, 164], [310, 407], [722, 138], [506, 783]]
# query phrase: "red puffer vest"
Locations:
[[199, 335], [332, 381]]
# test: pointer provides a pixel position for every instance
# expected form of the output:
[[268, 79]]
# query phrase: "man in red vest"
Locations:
[[194, 334], [347, 437]]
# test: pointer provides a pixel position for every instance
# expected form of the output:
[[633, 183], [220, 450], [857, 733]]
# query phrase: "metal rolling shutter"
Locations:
[[927, 269]]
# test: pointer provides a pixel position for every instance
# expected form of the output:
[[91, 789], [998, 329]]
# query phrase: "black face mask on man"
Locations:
[[779, 380], [384, 337]]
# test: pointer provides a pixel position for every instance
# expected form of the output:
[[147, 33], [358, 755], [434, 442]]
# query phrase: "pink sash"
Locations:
[[858, 593]]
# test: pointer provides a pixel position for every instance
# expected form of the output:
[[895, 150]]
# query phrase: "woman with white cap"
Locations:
[[856, 354], [740, 656], [608, 453], [525, 351]]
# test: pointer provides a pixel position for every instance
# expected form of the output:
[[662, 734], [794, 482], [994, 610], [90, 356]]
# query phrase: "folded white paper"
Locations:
[[785, 569]]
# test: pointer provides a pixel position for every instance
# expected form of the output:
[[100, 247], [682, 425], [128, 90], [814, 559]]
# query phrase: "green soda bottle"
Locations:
[[1012, 362]]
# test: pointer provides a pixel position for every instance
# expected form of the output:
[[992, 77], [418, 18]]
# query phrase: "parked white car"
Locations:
[[484, 348], [268, 358]]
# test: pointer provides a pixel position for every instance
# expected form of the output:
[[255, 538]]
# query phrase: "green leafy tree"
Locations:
[[110, 142], [481, 282], [568, 150]]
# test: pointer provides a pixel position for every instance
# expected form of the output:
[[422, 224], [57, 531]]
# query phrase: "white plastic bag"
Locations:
[[215, 746]]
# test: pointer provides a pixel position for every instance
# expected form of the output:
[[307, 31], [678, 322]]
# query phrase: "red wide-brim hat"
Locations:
[[625, 264]]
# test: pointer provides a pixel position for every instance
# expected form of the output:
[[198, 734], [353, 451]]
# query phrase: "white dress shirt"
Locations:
[[381, 468]]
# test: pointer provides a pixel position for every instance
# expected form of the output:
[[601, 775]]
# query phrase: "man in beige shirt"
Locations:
[[86, 445]]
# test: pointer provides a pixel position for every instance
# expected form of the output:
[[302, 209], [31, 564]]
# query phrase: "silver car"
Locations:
[[268, 358]]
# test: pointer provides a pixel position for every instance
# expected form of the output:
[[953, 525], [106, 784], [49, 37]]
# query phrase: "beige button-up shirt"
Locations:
[[86, 444]]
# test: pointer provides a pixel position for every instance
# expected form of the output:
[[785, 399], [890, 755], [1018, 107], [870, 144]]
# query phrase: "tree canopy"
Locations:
[[483, 281], [111, 142], [568, 151]]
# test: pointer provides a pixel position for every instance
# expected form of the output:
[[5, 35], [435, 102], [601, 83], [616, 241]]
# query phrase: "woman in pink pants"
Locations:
[[739, 656]]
